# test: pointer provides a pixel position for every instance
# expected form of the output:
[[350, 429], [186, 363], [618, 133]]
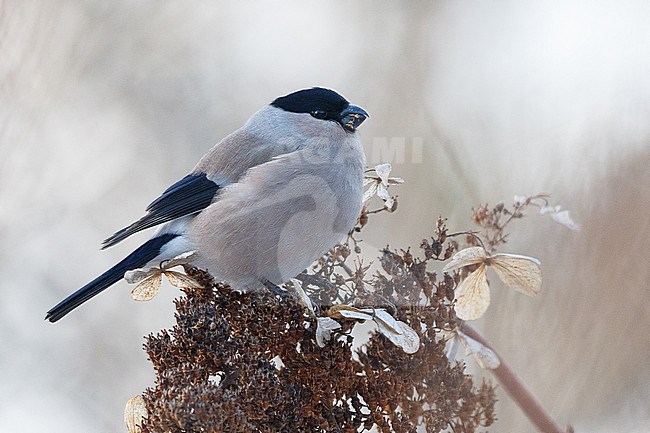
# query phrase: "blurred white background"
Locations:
[[105, 104]]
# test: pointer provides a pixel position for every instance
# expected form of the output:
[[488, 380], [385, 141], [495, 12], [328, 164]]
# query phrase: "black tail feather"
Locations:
[[138, 258]]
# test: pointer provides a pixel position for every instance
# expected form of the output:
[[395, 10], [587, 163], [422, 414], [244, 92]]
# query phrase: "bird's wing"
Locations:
[[189, 195]]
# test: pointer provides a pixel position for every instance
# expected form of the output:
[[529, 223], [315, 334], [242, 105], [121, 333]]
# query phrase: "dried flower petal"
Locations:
[[302, 296], [180, 280], [453, 342], [379, 186], [370, 192], [387, 321], [324, 328], [399, 333], [149, 280], [560, 216], [134, 413], [181, 259], [522, 273], [466, 257], [348, 312], [402, 335], [383, 171], [383, 194], [473, 295], [367, 180], [137, 275], [147, 288], [485, 357]]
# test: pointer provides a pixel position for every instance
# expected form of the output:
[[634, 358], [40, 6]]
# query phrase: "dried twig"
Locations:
[[517, 389]]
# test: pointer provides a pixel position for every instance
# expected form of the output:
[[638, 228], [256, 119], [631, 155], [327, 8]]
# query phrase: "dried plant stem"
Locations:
[[518, 390]]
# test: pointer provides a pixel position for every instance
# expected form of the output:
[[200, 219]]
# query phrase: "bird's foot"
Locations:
[[274, 288]]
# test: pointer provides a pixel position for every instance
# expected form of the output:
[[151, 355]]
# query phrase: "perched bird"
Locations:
[[262, 204]]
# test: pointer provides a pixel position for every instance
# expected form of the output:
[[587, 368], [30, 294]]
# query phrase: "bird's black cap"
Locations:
[[310, 100]]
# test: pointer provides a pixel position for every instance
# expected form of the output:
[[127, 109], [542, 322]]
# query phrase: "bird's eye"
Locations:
[[319, 113]]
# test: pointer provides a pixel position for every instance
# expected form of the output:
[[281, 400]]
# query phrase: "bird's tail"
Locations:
[[138, 258]]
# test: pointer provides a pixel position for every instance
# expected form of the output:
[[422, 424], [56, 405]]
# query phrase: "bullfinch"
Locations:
[[262, 204]]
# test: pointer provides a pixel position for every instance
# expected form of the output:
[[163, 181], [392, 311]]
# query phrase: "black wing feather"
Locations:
[[189, 195]]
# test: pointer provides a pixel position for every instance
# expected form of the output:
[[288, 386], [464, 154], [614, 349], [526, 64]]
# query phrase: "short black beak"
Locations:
[[352, 117]]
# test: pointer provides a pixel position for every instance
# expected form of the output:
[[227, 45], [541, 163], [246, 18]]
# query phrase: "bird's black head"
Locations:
[[324, 104]]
